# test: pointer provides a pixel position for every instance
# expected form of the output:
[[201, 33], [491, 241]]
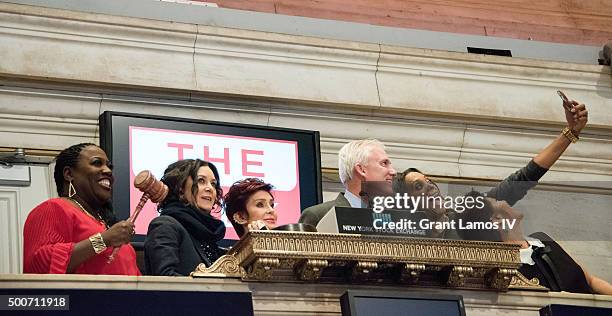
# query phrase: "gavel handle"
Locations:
[[141, 203], [143, 200]]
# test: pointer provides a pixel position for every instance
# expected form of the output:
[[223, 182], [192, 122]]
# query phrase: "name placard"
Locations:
[[365, 221]]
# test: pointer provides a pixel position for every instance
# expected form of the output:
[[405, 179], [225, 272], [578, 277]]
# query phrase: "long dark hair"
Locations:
[[69, 157], [177, 174], [399, 182], [475, 214]]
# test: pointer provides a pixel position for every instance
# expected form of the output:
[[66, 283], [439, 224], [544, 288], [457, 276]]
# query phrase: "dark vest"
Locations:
[[555, 268]]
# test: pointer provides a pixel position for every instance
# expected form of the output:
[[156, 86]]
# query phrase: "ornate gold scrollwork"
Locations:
[[458, 274], [480, 272], [287, 263], [499, 278], [225, 266], [310, 270], [303, 256], [411, 272], [520, 282], [261, 269], [362, 269]]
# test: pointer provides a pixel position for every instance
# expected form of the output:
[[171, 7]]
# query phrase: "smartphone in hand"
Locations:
[[566, 102]]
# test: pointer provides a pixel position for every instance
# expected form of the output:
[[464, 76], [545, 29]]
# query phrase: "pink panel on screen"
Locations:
[[261, 157]]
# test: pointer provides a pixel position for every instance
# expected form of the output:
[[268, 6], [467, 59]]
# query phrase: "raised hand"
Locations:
[[576, 113]]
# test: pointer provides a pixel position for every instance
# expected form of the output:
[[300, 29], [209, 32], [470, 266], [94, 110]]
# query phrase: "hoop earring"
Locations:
[[71, 190]]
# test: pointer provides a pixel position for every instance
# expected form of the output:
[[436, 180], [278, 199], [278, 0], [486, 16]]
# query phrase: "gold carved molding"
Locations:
[[310, 269], [261, 269], [520, 282], [411, 272], [225, 266], [340, 258], [500, 278], [458, 275]]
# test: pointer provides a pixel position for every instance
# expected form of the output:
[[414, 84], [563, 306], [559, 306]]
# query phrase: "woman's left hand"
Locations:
[[257, 225], [576, 118]]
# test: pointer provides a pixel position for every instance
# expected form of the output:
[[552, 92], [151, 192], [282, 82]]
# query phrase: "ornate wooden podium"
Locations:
[[357, 259], [290, 273]]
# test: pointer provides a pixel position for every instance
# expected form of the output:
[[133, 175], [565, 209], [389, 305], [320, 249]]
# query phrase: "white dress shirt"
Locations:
[[527, 252], [354, 200]]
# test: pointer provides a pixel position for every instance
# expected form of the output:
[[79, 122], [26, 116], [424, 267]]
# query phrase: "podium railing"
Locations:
[[349, 258]]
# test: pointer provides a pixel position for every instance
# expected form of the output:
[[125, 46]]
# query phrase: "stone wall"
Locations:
[[449, 114]]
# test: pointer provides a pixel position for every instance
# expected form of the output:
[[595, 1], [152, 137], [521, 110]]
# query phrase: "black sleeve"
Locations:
[[515, 186], [162, 248], [309, 217]]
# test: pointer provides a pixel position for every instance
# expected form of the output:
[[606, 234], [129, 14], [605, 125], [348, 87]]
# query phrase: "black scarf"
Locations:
[[203, 227]]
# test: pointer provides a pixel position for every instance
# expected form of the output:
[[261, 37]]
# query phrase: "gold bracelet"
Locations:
[[570, 135], [97, 243]]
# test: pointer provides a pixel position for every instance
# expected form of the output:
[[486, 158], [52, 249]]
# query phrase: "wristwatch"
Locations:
[[97, 243]]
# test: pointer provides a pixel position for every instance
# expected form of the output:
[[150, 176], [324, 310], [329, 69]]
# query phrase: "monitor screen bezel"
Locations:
[[109, 145], [347, 300]]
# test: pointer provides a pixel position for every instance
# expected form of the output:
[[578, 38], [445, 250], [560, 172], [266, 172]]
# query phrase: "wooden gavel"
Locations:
[[152, 189]]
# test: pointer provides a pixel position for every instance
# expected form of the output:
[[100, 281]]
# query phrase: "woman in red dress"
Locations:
[[76, 232]]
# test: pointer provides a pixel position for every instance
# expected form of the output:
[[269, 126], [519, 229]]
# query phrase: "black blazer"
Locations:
[[312, 215], [171, 250], [555, 268]]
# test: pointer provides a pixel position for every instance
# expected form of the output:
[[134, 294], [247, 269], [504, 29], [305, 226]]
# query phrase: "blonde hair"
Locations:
[[357, 151]]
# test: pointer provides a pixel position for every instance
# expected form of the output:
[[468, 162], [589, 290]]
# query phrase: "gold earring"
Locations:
[[239, 220], [71, 190]]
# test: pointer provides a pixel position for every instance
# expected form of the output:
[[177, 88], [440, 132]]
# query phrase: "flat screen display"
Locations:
[[289, 159], [383, 303]]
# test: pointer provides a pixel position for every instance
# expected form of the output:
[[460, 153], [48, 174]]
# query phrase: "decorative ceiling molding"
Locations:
[[65, 46]]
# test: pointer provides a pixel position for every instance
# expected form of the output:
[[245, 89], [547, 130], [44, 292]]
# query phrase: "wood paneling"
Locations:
[[563, 21]]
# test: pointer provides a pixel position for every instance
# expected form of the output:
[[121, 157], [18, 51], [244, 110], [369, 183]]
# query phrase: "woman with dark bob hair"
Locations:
[[249, 205], [76, 232], [186, 234]]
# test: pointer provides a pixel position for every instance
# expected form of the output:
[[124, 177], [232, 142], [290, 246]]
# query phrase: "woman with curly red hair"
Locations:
[[249, 205]]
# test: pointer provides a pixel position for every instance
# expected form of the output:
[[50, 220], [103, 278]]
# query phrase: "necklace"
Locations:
[[98, 219]]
